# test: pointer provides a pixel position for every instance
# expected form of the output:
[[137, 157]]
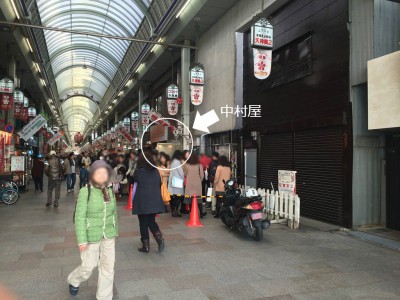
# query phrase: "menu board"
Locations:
[[18, 163]]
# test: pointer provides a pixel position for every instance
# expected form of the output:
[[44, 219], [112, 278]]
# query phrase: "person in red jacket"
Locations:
[[37, 173]]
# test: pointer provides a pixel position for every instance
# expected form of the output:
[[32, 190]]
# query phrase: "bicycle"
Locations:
[[8, 194]]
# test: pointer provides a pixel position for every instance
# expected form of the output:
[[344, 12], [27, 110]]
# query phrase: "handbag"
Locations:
[[210, 193], [177, 182], [165, 193]]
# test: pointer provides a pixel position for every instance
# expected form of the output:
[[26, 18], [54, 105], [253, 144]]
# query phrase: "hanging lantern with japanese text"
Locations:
[[262, 43], [6, 86], [145, 120], [172, 106], [31, 112], [26, 102], [127, 124], [18, 96], [172, 96], [145, 109], [135, 124], [196, 84], [17, 110], [24, 114], [134, 115], [6, 101]]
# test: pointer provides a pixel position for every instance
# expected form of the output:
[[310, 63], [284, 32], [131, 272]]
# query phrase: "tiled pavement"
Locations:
[[38, 250]]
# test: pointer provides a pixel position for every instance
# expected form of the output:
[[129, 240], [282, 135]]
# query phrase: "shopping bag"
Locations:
[[177, 182], [210, 192], [165, 193]]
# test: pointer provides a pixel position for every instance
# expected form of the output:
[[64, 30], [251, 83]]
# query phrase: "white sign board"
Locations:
[[287, 181], [32, 127], [17, 163]]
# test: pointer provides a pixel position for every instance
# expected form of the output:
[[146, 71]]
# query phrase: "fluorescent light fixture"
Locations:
[[29, 45], [50, 100], [129, 82], [43, 82], [160, 40], [115, 101], [120, 93], [182, 9], [37, 66], [15, 9], [109, 107], [140, 68]]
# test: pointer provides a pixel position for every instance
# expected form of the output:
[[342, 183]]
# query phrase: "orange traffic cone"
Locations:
[[194, 220], [130, 200]]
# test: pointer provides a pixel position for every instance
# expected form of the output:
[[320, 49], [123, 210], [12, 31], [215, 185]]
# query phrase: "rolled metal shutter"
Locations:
[[276, 153], [319, 166]]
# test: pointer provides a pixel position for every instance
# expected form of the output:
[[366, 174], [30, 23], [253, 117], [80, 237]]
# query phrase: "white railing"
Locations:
[[280, 207]]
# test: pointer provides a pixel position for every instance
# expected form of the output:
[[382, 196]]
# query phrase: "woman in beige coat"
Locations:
[[222, 175], [194, 177]]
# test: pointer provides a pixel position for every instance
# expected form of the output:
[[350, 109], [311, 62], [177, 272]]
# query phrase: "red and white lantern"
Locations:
[[262, 33], [145, 120], [196, 94], [17, 110], [172, 106], [24, 114], [135, 124], [6, 101], [134, 115], [262, 63]]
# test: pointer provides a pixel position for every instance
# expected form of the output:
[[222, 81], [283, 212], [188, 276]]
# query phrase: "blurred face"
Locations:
[[132, 156], [120, 159], [100, 176], [163, 160], [187, 153]]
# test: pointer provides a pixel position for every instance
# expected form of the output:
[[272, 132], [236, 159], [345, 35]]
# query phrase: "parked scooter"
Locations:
[[244, 213]]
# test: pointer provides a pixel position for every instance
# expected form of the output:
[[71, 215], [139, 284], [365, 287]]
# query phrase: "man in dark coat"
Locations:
[[54, 169], [147, 201]]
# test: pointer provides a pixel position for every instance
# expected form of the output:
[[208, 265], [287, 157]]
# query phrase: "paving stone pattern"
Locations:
[[38, 250]]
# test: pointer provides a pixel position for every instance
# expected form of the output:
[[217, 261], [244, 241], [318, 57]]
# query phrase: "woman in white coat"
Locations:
[[175, 183]]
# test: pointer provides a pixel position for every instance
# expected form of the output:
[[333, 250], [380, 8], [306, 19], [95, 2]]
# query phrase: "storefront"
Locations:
[[306, 113]]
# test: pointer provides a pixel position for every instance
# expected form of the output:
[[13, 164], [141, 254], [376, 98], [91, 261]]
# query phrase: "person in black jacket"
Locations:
[[147, 201]]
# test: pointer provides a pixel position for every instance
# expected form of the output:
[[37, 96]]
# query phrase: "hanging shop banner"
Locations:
[[2, 150], [155, 116], [262, 34], [172, 92], [6, 101], [125, 134], [55, 138], [287, 181], [262, 63], [197, 75], [33, 126], [172, 106], [135, 124], [196, 94], [145, 120], [24, 114], [18, 96], [6, 85], [145, 109]]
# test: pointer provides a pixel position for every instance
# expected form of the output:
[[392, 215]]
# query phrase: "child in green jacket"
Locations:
[[96, 226]]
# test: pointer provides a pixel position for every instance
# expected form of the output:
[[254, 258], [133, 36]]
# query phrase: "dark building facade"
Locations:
[[306, 112]]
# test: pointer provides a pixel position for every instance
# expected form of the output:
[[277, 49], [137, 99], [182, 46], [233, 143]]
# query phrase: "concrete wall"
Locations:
[[217, 52]]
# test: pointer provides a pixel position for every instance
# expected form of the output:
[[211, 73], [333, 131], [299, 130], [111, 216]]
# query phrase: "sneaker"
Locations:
[[73, 290], [55, 204], [48, 204]]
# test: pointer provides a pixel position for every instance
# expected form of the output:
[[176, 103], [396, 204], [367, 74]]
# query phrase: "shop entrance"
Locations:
[[250, 167], [393, 182]]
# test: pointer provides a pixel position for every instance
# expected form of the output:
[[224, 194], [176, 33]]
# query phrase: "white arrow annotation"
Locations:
[[202, 123]]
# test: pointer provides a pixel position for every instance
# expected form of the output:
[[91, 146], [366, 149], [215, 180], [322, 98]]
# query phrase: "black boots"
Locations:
[[146, 243], [145, 246], [160, 241], [175, 213], [218, 210]]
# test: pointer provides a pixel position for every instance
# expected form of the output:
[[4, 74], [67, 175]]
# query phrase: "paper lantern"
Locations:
[[6, 102], [172, 91], [26, 102], [135, 124], [196, 94], [31, 112], [145, 120], [18, 97], [134, 115], [6, 86], [17, 110], [24, 114], [172, 106], [145, 109]]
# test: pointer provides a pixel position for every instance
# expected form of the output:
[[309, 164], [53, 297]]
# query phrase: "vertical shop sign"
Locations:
[[196, 84], [2, 159], [287, 181], [6, 86], [55, 138], [6, 101], [262, 33], [172, 106]]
